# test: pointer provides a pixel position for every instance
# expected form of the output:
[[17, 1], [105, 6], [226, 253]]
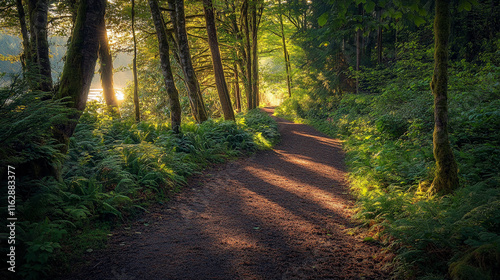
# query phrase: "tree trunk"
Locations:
[[248, 57], [287, 69], [237, 94], [396, 41], [193, 87], [40, 44], [213, 43], [446, 177], [106, 69], [358, 49], [285, 52], [255, 58], [304, 15], [26, 56], [173, 95], [134, 70], [358, 57], [379, 38], [80, 64], [240, 53]]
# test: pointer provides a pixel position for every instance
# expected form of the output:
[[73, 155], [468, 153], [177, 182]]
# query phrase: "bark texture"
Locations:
[[255, 58], [379, 37], [240, 55], [39, 43], [213, 43], [247, 57], [80, 63], [26, 56], [358, 49], [106, 69], [446, 177], [137, 111], [193, 87], [173, 95], [285, 53], [237, 94]]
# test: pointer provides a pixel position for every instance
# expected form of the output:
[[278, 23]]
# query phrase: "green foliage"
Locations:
[[41, 239], [263, 128], [387, 135], [113, 169], [26, 118], [481, 263]]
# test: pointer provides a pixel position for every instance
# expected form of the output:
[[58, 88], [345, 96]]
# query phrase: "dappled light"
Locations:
[[250, 139], [276, 213]]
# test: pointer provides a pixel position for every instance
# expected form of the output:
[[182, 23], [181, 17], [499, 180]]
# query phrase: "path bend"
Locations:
[[280, 214]]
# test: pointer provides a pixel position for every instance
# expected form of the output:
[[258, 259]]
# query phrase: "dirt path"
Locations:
[[280, 214]]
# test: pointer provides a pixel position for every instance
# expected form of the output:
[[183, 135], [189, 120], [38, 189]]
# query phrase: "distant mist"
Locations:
[[12, 46]]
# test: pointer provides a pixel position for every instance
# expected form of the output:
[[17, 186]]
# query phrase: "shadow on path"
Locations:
[[280, 214]]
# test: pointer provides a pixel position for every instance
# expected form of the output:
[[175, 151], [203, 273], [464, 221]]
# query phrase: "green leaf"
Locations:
[[464, 5], [418, 20], [369, 6], [423, 12], [323, 19]]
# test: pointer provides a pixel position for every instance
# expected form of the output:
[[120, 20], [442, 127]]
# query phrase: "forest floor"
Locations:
[[279, 214]]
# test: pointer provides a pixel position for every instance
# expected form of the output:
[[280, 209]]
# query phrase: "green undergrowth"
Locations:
[[387, 134], [114, 169]]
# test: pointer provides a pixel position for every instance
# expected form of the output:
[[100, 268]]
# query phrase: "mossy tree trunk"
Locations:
[[379, 36], [213, 43], [193, 87], [173, 95], [240, 54], [446, 177], [359, 34], [106, 69], [38, 10], [137, 111], [26, 56], [255, 18], [285, 52], [80, 64], [237, 94], [247, 79]]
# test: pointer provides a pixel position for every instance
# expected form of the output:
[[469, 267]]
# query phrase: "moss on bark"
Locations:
[[446, 177], [175, 106], [80, 64]]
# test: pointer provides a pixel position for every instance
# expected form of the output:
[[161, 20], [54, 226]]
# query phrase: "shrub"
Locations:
[[388, 139], [114, 168]]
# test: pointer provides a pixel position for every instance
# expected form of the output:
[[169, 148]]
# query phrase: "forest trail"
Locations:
[[280, 214]]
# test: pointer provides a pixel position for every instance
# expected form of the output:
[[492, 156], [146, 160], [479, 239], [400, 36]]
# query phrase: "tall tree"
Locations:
[[255, 18], [26, 56], [285, 51], [213, 43], [38, 10], [358, 48], [240, 48], [194, 91], [80, 64], [237, 94], [106, 69], [173, 95], [137, 111], [379, 35], [446, 177], [248, 55]]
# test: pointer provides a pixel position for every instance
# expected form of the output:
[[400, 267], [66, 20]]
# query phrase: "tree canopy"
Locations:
[[410, 85]]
